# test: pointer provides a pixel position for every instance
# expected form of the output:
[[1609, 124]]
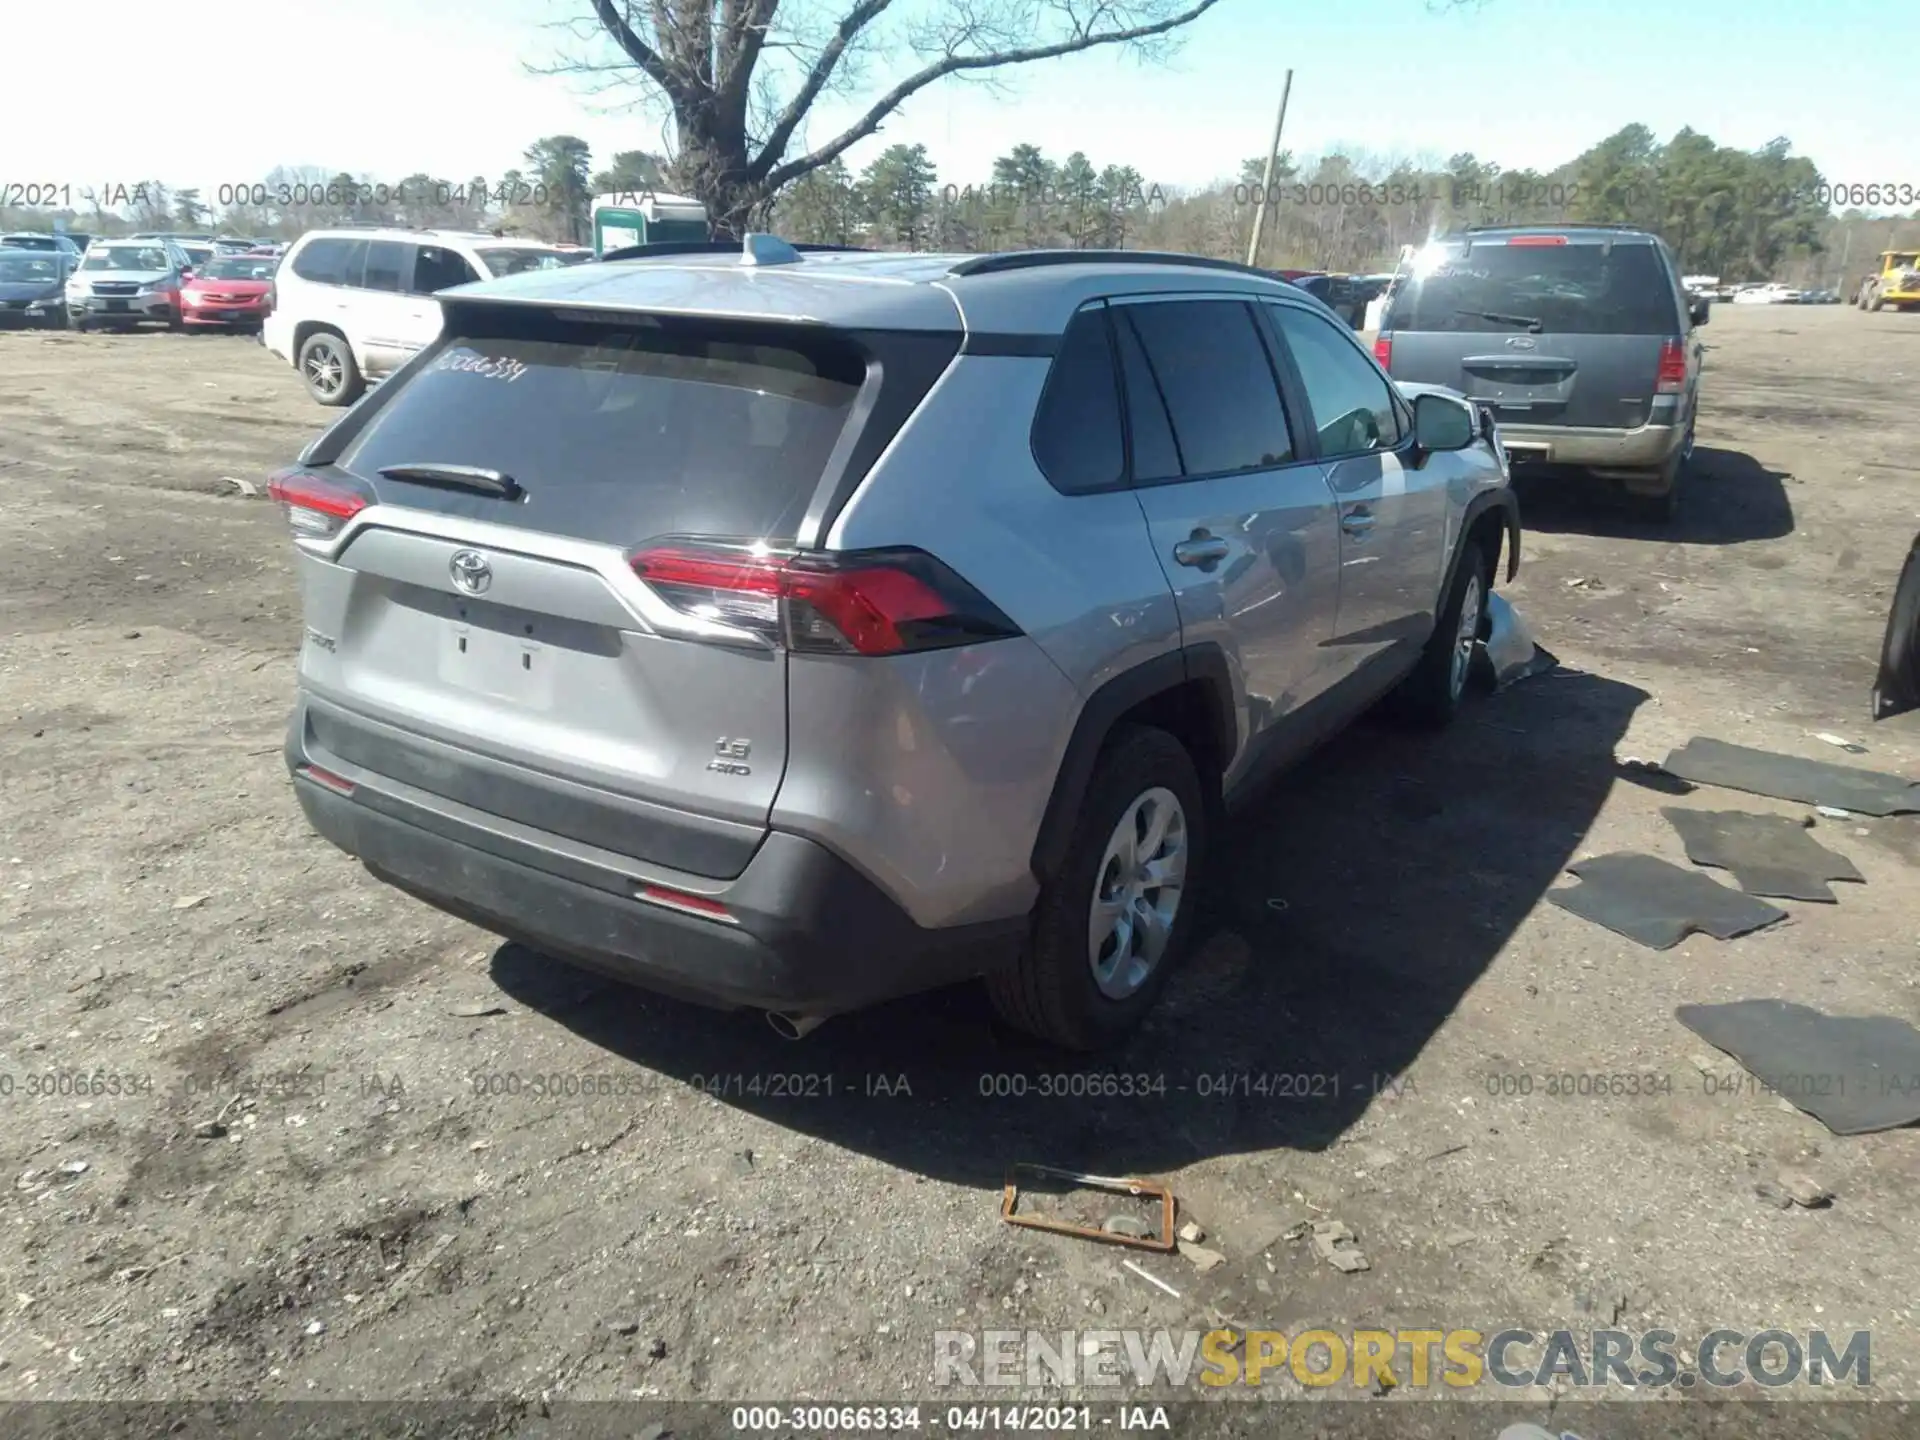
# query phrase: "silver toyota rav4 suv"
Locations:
[[798, 630]]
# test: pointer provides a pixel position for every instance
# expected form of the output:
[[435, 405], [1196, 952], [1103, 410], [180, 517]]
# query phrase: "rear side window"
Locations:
[[1076, 430], [622, 435], [1352, 405], [436, 268], [332, 260], [1212, 368], [386, 264], [1572, 289]]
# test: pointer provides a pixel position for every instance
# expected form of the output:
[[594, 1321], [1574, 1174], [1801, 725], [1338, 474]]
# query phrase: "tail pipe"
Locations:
[[794, 1027]]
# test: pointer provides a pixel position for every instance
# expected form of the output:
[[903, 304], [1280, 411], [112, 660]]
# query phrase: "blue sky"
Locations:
[[440, 86]]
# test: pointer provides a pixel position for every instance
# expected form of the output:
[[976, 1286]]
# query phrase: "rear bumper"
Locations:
[[808, 934], [1643, 448]]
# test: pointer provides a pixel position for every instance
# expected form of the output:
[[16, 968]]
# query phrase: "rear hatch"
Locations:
[[486, 638], [1546, 329]]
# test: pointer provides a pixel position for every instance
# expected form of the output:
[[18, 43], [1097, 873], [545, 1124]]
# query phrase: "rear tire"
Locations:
[[1090, 970], [327, 366], [1430, 696], [1657, 498], [1873, 300]]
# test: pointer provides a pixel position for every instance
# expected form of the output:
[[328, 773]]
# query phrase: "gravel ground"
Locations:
[[312, 1155]]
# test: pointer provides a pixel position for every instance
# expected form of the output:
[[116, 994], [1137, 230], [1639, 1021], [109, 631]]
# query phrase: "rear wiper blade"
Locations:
[[1525, 322], [458, 477]]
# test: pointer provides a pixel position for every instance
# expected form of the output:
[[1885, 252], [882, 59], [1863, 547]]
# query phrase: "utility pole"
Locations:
[[1846, 249], [1266, 180]]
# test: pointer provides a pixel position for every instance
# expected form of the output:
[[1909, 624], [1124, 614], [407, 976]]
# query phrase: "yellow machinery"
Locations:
[[1897, 284]]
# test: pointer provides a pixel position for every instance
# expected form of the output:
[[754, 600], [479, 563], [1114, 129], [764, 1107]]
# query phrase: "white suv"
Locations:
[[353, 305]]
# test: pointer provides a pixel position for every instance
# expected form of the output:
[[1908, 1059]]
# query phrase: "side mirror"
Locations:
[[186, 272], [1699, 311], [1441, 422]]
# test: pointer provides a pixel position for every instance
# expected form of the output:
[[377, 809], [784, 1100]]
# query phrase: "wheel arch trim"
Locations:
[[1103, 709]]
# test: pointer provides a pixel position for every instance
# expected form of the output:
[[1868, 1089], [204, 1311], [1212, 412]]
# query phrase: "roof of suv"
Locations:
[[1581, 229], [411, 232], [1025, 292]]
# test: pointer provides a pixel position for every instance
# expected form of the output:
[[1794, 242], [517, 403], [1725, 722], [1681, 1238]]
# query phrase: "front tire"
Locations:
[[1430, 696], [327, 366], [1113, 923]]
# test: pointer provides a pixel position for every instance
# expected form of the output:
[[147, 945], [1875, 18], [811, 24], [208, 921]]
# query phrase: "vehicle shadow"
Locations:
[[1729, 498], [1361, 898]]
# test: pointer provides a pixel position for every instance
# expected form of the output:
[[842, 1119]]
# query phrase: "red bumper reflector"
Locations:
[[704, 905], [340, 785]]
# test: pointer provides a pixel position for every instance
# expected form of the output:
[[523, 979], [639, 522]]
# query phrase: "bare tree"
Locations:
[[739, 77]]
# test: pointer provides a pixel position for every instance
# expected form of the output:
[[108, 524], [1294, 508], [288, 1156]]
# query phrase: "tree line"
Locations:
[[1738, 214]]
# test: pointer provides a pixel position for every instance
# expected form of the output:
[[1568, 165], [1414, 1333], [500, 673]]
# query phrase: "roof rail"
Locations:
[[661, 249], [1562, 225], [1003, 261]]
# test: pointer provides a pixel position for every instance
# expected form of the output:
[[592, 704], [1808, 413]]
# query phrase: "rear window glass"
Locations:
[[623, 434], [1578, 289]]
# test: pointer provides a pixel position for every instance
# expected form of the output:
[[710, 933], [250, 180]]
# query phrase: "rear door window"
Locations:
[[436, 268], [1076, 430], [1155, 455], [1580, 288], [1212, 369], [387, 265], [622, 434]]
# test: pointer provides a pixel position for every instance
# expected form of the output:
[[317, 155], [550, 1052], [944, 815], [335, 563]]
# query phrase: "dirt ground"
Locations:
[[312, 1156]]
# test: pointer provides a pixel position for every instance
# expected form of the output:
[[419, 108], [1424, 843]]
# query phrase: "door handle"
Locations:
[[1357, 521], [1203, 550]]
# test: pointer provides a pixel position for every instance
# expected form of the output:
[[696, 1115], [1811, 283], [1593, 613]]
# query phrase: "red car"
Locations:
[[229, 291]]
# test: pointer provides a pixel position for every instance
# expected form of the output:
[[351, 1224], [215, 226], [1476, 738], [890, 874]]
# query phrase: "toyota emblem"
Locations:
[[471, 572], [1521, 342]]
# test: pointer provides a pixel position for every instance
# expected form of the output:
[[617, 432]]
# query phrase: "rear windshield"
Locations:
[[239, 267], [1580, 289], [624, 434]]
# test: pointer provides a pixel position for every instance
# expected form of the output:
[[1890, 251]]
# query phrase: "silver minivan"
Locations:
[[1579, 338]]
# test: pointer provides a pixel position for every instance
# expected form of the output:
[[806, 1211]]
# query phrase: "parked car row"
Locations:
[[122, 282]]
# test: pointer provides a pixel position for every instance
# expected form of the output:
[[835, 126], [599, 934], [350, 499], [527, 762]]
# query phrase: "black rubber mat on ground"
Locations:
[[1768, 854], [1853, 1073], [1787, 777], [1658, 904]]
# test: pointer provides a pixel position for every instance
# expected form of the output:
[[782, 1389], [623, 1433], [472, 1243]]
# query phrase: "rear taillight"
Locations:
[[1671, 378], [316, 508], [863, 602], [1383, 351]]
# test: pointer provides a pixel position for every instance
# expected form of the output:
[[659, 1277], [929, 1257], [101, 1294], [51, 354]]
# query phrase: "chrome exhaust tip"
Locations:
[[794, 1027]]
